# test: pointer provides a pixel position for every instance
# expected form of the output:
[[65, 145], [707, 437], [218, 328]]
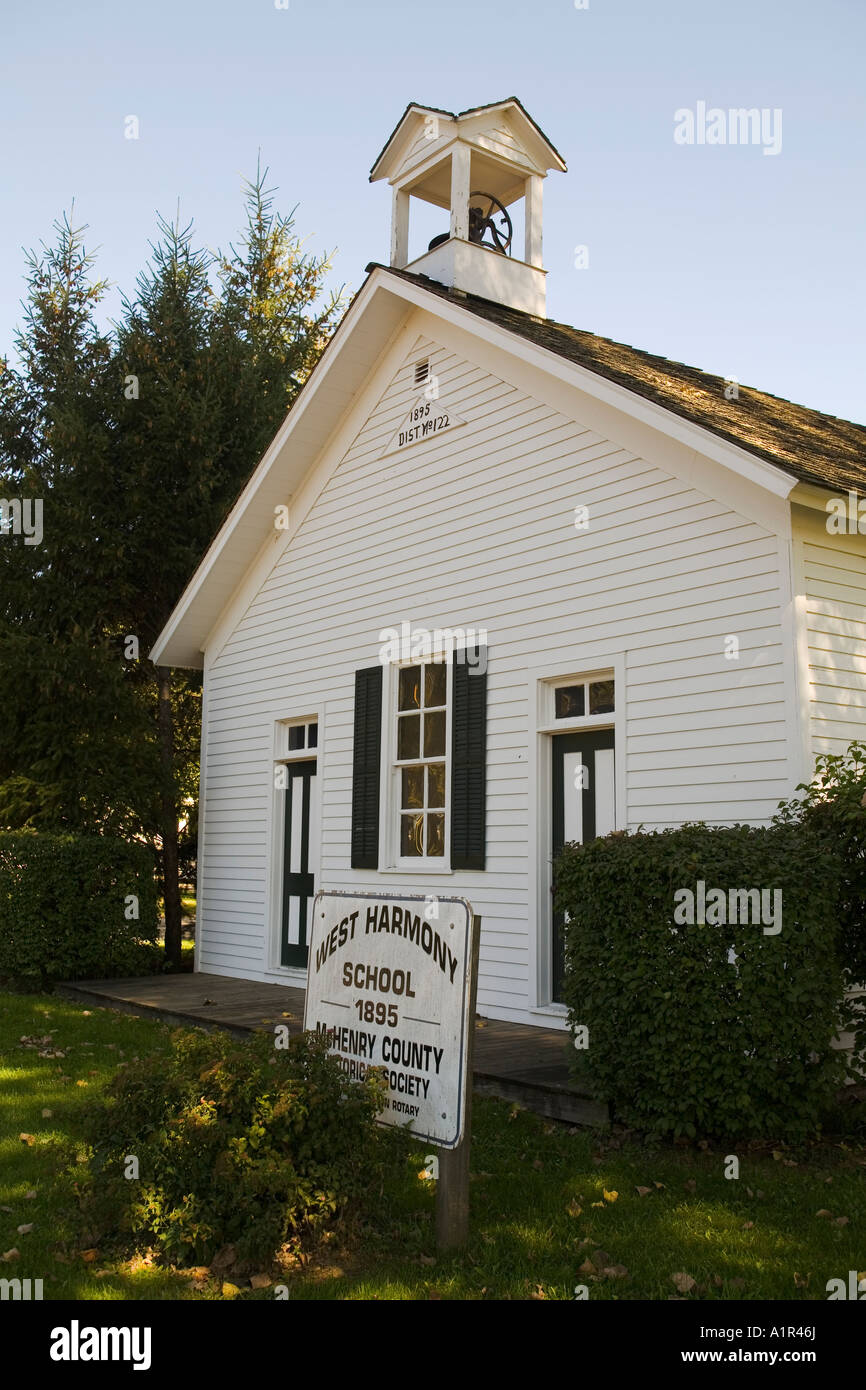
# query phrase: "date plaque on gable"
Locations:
[[426, 420]]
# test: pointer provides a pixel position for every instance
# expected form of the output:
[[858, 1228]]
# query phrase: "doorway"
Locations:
[[300, 869], [584, 806]]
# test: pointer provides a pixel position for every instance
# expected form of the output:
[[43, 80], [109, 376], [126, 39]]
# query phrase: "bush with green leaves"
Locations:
[[67, 909], [237, 1143], [832, 811], [681, 1039]]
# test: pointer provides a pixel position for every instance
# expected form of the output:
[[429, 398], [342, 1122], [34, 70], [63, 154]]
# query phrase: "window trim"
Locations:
[[548, 722], [282, 752], [390, 798]]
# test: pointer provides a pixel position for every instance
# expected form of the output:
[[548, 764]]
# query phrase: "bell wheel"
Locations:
[[489, 223]]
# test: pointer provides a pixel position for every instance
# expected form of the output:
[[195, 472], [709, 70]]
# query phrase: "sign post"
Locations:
[[391, 981], [452, 1187]]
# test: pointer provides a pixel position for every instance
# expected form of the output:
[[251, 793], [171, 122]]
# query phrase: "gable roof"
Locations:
[[770, 440], [811, 446]]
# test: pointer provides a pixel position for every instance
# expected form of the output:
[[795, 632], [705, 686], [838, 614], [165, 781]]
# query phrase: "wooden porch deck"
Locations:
[[512, 1060]]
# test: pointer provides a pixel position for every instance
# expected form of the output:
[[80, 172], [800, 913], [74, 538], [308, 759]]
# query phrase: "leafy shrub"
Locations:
[[62, 907], [832, 810], [682, 1040], [238, 1143]]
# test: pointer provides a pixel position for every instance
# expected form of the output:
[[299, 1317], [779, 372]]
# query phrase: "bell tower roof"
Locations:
[[502, 129], [474, 164]]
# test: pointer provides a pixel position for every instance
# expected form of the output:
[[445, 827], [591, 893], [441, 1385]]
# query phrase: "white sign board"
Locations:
[[389, 981]]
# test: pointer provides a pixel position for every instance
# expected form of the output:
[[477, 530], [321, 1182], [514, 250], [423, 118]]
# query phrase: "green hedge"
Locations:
[[832, 810], [682, 1041], [63, 906], [240, 1144]]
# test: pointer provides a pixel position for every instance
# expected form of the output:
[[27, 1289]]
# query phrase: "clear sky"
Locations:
[[742, 263]]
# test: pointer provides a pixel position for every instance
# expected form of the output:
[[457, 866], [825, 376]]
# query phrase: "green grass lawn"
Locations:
[[546, 1201]]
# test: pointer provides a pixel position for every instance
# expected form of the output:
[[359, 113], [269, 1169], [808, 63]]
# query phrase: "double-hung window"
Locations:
[[420, 764]]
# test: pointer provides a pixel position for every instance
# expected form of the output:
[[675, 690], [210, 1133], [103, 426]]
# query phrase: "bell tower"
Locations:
[[476, 164]]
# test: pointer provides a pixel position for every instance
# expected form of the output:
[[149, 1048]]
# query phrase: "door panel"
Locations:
[[584, 806], [299, 872]]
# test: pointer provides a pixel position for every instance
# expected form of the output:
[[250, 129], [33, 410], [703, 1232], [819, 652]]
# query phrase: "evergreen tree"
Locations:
[[138, 441]]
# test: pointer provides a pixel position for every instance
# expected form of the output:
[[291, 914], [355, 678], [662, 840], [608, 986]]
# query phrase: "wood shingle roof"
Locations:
[[813, 447]]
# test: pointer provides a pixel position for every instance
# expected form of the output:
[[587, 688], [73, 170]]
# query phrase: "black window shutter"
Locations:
[[365, 771], [469, 760]]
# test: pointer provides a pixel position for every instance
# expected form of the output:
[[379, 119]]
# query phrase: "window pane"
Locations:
[[435, 784], [411, 836], [410, 688], [296, 736], [601, 697], [312, 735], [409, 736], [435, 684], [434, 735], [413, 787], [436, 835], [569, 701]]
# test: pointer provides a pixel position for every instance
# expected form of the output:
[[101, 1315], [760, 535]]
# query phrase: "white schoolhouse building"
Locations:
[[499, 584]]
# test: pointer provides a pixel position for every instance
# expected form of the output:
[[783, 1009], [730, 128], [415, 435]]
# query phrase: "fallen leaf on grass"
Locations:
[[27, 1139], [538, 1293], [599, 1204], [823, 1212], [25, 1230], [615, 1272], [643, 1191], [841, 1221], [89, 1256], [230, 1290], [684, 1282], [47, 1114], [573, 1209], [609, 1196], [9, 1255], [260, 1281], [659, 1186], [800, 1282], [587, 1268]]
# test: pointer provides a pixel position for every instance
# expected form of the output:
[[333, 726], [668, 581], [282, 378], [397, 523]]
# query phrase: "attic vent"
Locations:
[[422, 371]]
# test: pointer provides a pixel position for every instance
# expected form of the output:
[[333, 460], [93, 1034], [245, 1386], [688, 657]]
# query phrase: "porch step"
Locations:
[[516, 1062]]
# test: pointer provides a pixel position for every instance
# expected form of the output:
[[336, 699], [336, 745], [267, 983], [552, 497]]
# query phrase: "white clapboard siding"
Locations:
[[834, 576], [476, 529]]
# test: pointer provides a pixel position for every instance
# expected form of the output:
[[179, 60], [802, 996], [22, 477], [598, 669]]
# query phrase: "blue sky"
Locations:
[[741, 263]]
